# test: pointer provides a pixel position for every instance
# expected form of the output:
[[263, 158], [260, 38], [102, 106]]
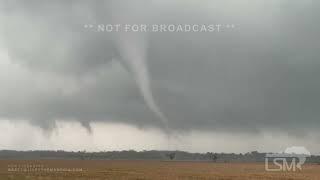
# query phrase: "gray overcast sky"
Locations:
[[252, 83]]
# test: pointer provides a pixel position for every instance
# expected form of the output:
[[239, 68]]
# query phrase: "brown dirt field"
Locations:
[[140, 170]]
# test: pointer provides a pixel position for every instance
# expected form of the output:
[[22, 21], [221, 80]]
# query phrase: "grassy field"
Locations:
[[113, 170]]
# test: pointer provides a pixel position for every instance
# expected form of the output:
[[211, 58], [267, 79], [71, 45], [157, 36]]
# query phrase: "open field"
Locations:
[[113, 170]]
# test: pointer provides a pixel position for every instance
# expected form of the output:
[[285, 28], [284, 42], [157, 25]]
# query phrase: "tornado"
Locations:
[[132, 49]]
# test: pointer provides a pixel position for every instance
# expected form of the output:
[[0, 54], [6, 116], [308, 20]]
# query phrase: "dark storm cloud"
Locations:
[[263, 74]]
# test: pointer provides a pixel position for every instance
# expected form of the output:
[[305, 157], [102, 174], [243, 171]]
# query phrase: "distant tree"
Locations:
[[82, 154], [171, 155], [254, 152], [213, 156]]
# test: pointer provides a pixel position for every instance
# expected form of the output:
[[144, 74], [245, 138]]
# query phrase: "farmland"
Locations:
[[135, 169]]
